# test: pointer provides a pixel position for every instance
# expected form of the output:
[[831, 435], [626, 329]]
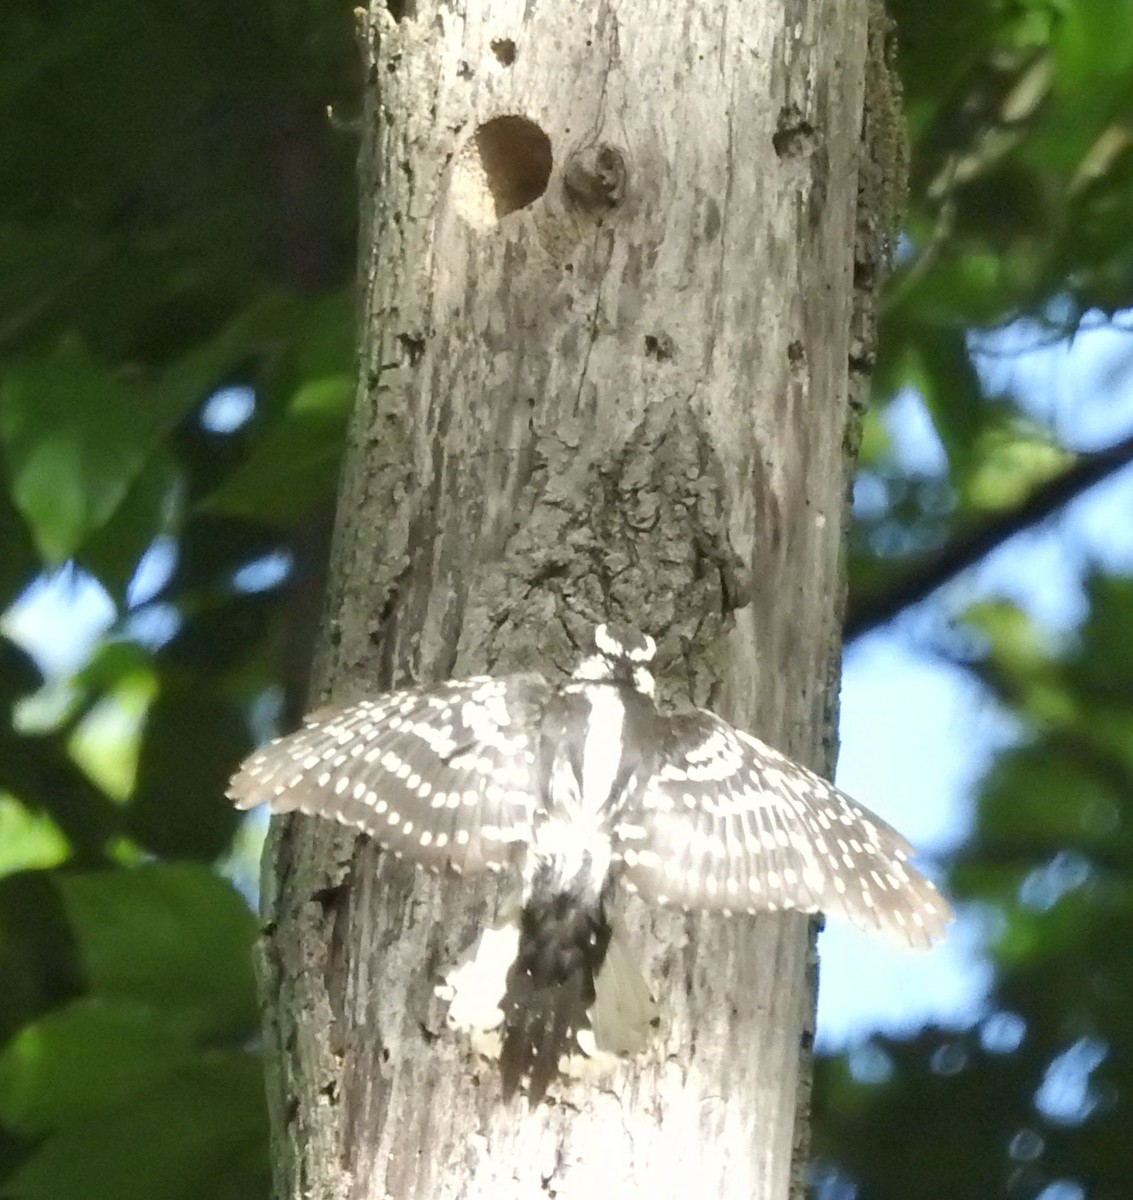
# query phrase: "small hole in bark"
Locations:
[[504, 50], [400, 9], [413, 346], [504, 167], [659, 346], [796, 354], [865, 276], [330, 899], [795, 135]]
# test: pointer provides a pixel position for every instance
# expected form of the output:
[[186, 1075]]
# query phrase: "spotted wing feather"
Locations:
[[442, 775], [728, 823]]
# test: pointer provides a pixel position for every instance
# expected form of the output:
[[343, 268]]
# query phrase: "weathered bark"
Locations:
[[608, 283]]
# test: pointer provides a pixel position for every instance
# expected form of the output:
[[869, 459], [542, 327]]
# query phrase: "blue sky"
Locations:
[[917, 732]]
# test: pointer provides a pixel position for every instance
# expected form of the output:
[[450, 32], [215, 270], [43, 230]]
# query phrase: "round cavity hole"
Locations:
[[504, 50], [502, 168]]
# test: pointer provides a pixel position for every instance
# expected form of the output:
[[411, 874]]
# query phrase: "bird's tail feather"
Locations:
[[624, 1015], [562, 945]]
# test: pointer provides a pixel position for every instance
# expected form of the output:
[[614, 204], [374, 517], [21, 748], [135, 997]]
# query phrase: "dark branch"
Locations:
[[972, 545]]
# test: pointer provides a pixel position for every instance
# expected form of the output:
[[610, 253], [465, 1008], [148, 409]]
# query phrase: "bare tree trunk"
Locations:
[[609, 283]]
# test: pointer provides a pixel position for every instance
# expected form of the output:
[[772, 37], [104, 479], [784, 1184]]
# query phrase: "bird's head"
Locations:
[[621, 655]]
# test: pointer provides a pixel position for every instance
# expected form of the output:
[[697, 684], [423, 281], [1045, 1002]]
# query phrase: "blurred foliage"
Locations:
[[1021, 196], [176, 364], [177, 224], [1019, 218]]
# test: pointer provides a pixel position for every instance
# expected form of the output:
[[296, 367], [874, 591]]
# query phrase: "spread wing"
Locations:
[[728, 823], [442, 774]]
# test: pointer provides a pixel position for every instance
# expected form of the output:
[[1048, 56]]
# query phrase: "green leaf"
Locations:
[[1010, 462], [86, 1058], [200, 1132], [76, 437], [294, 466], [38, 960], [1105, 659], [952, 392], [111, 554], [28, 841], [173, 937], [304, 403], [192, 737]]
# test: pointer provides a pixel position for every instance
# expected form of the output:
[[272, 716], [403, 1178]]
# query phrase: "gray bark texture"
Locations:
[[616, 281]]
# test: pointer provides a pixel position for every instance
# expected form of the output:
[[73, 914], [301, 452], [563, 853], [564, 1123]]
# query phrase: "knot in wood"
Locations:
[[594, 178]]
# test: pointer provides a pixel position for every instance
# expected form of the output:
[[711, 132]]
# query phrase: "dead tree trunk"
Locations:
[[609, 296]]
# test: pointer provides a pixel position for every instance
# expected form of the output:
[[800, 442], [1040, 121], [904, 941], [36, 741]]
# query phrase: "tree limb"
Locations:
[[970, 546]]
